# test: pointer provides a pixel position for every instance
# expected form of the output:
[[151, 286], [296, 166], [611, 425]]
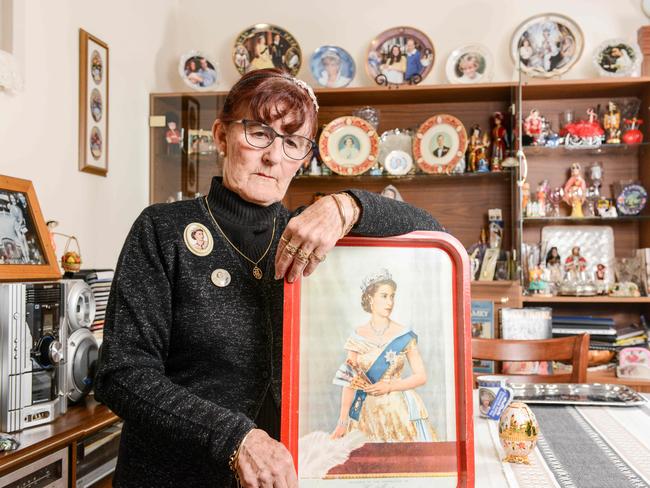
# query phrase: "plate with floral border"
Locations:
[[349, 145], [439, 144]]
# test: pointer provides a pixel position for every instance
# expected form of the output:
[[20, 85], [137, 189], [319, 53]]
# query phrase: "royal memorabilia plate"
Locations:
[[332, 67], [546, 45], [401, 55], [349, 145], [616, 57], [439, 144], [577, 394], [631, 200], [395, 151], [470, 64], [197, 71], [266, 46]]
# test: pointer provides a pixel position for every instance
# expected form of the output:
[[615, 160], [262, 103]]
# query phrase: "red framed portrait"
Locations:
[[377, 365]]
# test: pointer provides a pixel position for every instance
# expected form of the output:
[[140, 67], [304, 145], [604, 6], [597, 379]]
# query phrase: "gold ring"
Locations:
[[303, 260], [304, 255], [318, 258], [290, 249], [284, 239]]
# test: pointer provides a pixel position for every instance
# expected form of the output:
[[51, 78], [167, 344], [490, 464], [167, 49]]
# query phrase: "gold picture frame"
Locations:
[[93, 104], [26, 252]]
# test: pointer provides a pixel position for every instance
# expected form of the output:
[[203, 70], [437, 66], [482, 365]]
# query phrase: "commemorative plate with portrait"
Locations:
[[349, 145], [439, 144], [332, 67], [470, 64], [547, 45], [266, 46], [616, 57], [401, 55], [197, 71]]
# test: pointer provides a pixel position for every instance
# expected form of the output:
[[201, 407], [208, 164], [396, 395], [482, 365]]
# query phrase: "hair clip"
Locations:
[[308, 89]]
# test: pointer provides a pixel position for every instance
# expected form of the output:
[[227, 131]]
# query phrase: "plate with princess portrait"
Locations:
[[349, 146], [439, 144], [470, 64], [266, 46], [332, 67]]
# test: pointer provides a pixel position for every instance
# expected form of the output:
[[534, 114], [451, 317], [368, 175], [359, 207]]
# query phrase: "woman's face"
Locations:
[[395, 51], [382, 300], [259, 176], [331, 66]]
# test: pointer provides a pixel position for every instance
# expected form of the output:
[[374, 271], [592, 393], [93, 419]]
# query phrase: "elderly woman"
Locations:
[[193, 338]]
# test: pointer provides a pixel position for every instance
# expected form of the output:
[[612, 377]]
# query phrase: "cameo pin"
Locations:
[[220, 277], [198, 239]]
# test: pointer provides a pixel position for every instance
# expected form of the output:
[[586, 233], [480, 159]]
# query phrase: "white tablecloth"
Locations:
[[623, 434]]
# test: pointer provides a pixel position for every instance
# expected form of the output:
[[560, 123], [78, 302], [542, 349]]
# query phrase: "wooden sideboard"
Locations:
[[80, 421]]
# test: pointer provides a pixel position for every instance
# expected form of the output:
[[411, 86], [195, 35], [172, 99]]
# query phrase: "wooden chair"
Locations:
[[573, 349]]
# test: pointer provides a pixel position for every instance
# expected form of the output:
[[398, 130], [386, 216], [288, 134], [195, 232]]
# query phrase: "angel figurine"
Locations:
[[477, 150], [575, 190]]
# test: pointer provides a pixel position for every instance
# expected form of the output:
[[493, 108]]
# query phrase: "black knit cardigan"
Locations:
[[187, 364]]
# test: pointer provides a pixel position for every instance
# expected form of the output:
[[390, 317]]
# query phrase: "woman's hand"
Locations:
[[265, 463], [339, 432], [379, 388], [309, 236]]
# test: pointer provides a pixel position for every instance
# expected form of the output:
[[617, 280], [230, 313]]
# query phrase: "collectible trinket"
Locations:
[[220, 277], [612, 124], [477, 150], [632, 133], [575, 265], [532, 128], [631, 199], [555, 197], [499, 135], [518, 431], [584, 133], [574, 191], [554, 265], [198, 239]]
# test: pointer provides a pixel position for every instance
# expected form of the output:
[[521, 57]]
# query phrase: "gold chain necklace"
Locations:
[[257, 271]]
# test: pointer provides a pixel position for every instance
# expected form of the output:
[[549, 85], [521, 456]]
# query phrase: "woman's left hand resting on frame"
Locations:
[[309, 236]]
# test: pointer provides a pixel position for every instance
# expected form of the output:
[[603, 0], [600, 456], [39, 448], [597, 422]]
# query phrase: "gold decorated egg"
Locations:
[[518, 430]]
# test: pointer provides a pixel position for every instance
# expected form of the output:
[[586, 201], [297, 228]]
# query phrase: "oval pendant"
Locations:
[[257, 273]]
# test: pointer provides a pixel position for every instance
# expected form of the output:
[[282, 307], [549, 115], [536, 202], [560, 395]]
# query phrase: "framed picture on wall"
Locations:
[[93, 104], [26, 252], [376, 365]]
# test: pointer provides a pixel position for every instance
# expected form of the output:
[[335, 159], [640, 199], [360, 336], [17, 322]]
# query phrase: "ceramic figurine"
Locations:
[[632, 133], [498, 149], [525, 197], [477, 149], [554, 265], [518, 430], [575, 190], [612, 124], [543, 190], [575, 265], [173, 135], [533, 128]]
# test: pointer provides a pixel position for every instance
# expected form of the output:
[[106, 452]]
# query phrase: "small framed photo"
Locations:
[[616, 57], [93, 104], [198, 72], [377, 366], [470, 64], [546, 45], [26, 251], [332, 67]]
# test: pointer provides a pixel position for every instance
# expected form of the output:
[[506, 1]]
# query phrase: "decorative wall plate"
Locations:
[[470, 64], [395, 151], [332, 67], [631, 200], [400, 55], [548, 45], [349, 145], [439, 144], [617, 57], [197, 71], [266, 46]]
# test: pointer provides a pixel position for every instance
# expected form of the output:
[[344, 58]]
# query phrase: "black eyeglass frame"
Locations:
[[245, 122]]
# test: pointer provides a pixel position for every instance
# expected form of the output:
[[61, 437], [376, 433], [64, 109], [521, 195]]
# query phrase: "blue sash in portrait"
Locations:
[[379, 368]]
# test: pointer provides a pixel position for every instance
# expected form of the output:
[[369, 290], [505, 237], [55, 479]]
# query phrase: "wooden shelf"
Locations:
[[581, 151], [596, 299], [366, 178], [494, 284], [606, 88], [585, 220]]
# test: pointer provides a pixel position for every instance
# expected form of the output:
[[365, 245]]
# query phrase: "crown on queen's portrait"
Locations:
[[375, 277]]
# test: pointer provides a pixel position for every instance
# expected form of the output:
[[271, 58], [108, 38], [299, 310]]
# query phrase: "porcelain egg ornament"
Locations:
[[518, 430]]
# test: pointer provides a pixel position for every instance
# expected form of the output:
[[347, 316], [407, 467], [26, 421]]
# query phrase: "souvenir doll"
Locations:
[[525, 196], [575, 190], [612, 124], [173, 136], [499, 135], [477, 149], [542, 193], [554, 265], [533, 128], [535, 283], [575, 265], [632, 133]]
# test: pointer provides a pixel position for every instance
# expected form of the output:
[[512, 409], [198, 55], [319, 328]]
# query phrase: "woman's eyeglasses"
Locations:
[[260, 135]]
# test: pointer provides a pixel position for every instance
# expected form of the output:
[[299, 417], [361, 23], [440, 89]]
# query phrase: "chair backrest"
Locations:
[[573, 349]]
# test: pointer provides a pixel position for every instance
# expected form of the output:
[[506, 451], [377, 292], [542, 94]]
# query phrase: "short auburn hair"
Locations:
[[268, 95]]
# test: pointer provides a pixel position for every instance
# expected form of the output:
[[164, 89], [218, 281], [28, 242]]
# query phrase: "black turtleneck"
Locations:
[[247, 225]]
